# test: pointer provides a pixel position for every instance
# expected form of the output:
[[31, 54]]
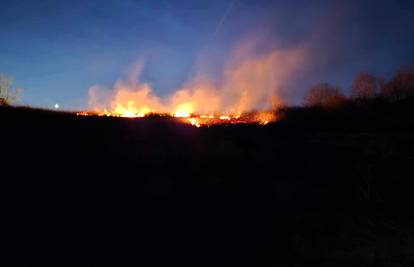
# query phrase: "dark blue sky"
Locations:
[[56, 50]]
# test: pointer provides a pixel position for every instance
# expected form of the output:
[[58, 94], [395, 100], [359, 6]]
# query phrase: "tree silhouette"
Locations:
[[324, 95], [5, 83], [401, 85], [364, 86], [6, 96]]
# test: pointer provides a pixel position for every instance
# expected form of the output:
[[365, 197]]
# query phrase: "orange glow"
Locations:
[[183, 111], [262, 118], [130, 111], [223, 117], [194, 122], [265, 117], [251, 80]]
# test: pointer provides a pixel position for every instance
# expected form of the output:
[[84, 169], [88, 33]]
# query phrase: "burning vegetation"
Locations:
[[247, 91], [262, 118]]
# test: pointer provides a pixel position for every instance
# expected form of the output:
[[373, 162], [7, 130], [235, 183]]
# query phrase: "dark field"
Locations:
[[321, 187]]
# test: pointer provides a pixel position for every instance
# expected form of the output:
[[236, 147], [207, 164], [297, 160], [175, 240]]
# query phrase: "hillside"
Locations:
[[329, 187]]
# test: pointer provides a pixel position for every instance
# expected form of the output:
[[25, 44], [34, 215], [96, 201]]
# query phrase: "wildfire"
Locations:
[[184, 116], [194, 122], [183, 110], [251, 79], [130, 111]]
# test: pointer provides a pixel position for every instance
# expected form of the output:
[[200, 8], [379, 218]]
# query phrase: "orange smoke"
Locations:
[[250, 82]]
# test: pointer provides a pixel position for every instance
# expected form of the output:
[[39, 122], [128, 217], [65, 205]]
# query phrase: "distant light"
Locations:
[[56, 106]]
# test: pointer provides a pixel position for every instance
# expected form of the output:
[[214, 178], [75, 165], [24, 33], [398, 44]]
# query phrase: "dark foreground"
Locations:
[[329, 188]]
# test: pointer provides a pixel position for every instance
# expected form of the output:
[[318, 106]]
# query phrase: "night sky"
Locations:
[[56, 50]]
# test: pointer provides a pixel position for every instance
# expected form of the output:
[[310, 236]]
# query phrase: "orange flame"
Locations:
[[184, 110], [250, 81]]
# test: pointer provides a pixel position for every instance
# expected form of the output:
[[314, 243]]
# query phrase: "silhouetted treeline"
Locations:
[[364, 87]]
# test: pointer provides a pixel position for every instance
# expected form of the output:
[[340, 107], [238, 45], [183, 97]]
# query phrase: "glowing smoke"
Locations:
[[250, 80]]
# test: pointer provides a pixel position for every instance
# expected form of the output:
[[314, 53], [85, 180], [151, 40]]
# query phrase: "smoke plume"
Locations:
[[250, 80]]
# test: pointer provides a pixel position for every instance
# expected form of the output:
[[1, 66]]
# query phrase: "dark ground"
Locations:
[[321, 187]]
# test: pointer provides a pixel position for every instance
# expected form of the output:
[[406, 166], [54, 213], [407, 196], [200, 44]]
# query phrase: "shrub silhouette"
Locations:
[[324, 95]]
